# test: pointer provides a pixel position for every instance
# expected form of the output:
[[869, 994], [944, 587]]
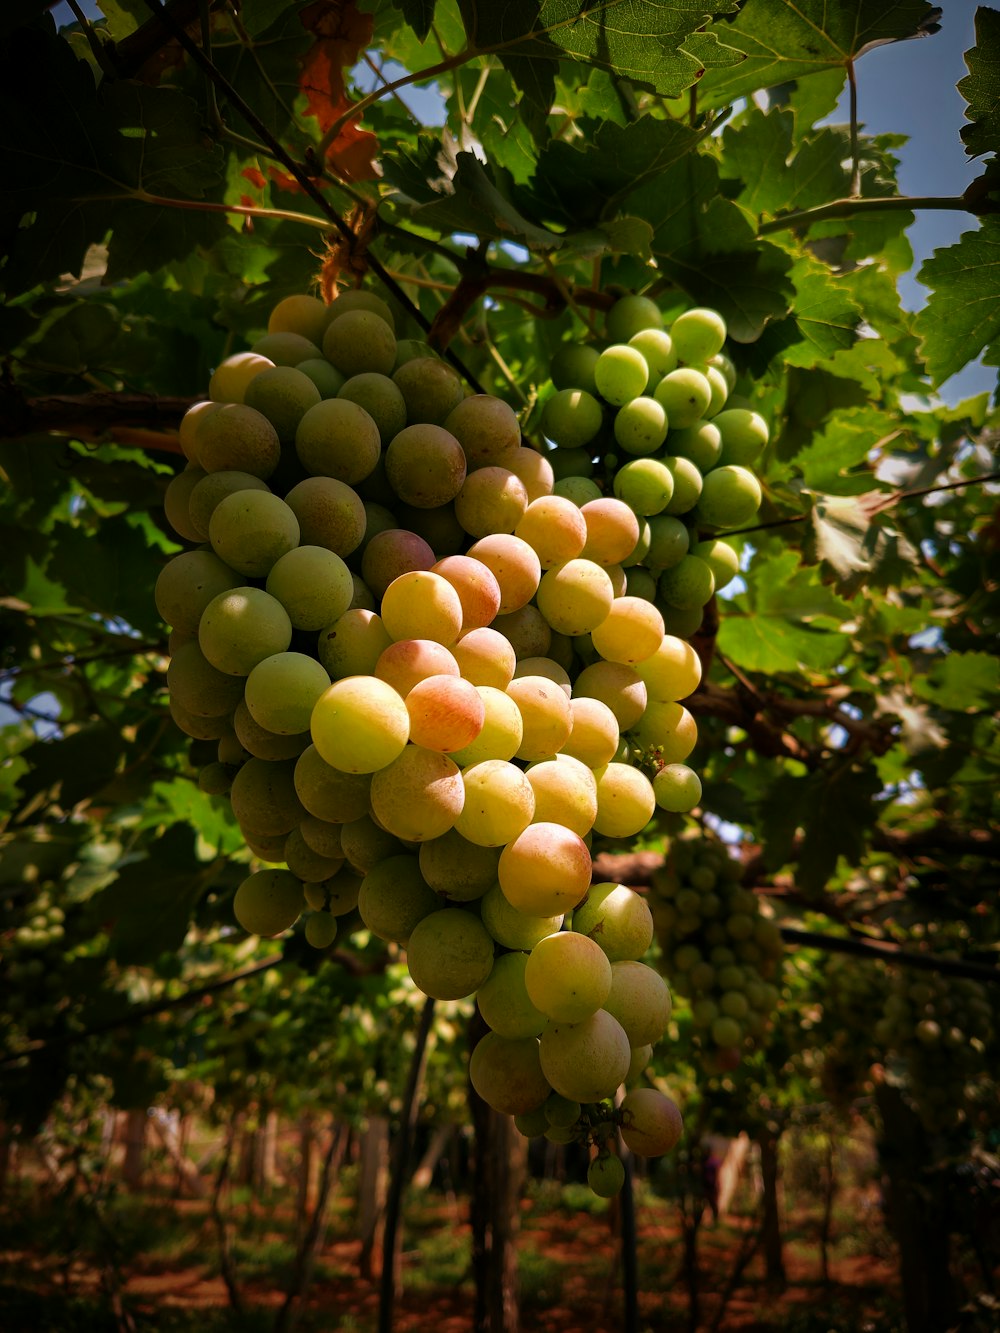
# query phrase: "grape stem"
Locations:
[[972, 201]]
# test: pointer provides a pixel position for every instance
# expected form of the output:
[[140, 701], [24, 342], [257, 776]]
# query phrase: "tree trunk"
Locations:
[[771, 1217], [424, 1173], [305, 1191], [373, 1187], [917, 1214], [287, 1317], [136, 1121], [498, 1178]]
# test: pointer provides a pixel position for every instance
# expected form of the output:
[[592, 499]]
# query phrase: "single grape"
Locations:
[[486, 428], [449, 955], [645, 484], [360, 341], [618, 919], [313, 585], [394, 898], [641, 426], [621, 374], [380, 398], [353, 644], [305, 315], [251, 530], [567, 976], [268, 902], [338, 438], [685, 395], [572, 418], [572, 366], [282, 691], [425, 466], [329, 513], [283, 395], [504, 1001], [730, 498], [585, 1061], [698, 334], [418, 795], [360, 724], [507, 1074], [651, 1122], [187, 585], [430, 389]]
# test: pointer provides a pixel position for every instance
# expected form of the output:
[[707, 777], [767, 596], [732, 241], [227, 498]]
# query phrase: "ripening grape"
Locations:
[[406, 662], [187, 432], [585, 1061], [545, 870], [668, 729], [491, 500], [672, 672], [365, 843], [338, 438], [430, 388], [449, 954], [329, 512], [186, 585], [594, 734], [545, 715], [353, 645], [307, 864], [199, 687], [282, 691], [177, 499], [268, 902], [565, 793], [485, 658], [499, 803], [534, 470], [612, 530], [487, 429], [422, 605], [507, 1074], [477, 589], [504, 1001], [545, 666], [526, 630], [360, 341], [418, 795], [425, 466], [390, 554], [457, 869], [514, 565], [651, 1122], [617, 686], [360, 724], [313, 585], [355, 299], [568, 977], [575, 597], [230, 377], [305, 315], [617, 919], [631, 632], [677, 788], [286, 348], [554, 528], [446, 713], [394, 898]]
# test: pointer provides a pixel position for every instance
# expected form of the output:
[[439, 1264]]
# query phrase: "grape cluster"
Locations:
[[426, 680], [33, 967], [938, 1028], [719, 951]]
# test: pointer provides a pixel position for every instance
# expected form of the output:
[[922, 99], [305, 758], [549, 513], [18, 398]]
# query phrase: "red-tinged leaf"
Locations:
[[255, 176], [342, 33]]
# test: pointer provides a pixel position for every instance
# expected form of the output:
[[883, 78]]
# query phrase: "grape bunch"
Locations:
[[719, 951], [411, 659], [938, 1028]]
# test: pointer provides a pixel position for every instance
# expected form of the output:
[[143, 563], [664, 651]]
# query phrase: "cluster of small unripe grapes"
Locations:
[[33, 973], [842, 1043], [428, 681], [655, 414], [939, 1028], [720, 952]]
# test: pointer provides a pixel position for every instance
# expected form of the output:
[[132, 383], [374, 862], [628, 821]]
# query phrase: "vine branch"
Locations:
[[973, 201]]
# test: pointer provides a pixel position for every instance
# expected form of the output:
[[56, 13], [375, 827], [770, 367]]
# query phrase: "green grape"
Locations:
[[698, 334], [338, 438], [685, 395], [572, 366], [430, 389], [198, 686], [668, 542], [360, 341], [353, 644], [621, 374], [250, 530], [645, 484], [719, 387], [356, 299], [263, 743], [268, 902], [641, 426], [449, 955], [630, 315], [677, 788], [572, 418], [657, 350], [575, 596], [688, 585], [722, 558], [491, 501], [364, 843], [187, 584], [618, 919], [457, 869], [504, 1001], [439, 527], [501, 734], [283, 395], [241, 627], [187, 432], [282, 691], [306, 864], [730, 498], [328, 380], [215, 779], [744, 434], [487, 429], [320, 930], [313, 585], [285, 348], [686, 485], [380, 398], [305, 315], [425, 466], [561, 1112], [533, 1124], [498, 804], [264, 798], [341, 892], [230, 377], [360, 724], [213, 487], [625, 800], [509, 926], [330, 514], [394, 899], [651, 1122], [177, 499], [567, 976], [418, 795], [507, 1074], [547, 667], [639, 998], [581, 490], [700, 442], [585, 1061], [606, 1175]]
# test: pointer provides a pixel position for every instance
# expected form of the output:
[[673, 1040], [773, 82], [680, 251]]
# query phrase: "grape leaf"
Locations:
[[771, 644], [833, 807], [962, 314], [419, 14], [776, 175], [789, 39], [643, 42], [825, 312], [964, 682], [981, 86], [845, 443]]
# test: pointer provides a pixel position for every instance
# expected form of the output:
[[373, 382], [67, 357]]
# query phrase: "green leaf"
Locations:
[[776, 175], [152, 901], [962, 682], [860, 548], [707, 245], [962, 314], [833, 807], [474, 204], [771, 644], [981, 86], [789, 39], [419, 14], [826, 314], [849, 437], [71, 768], [643, 42]]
